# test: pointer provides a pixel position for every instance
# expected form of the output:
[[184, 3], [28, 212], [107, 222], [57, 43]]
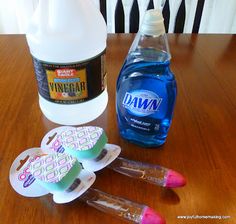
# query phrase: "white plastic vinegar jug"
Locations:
[[67, 40]]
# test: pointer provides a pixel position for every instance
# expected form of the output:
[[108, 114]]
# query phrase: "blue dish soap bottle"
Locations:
[[146, 87]]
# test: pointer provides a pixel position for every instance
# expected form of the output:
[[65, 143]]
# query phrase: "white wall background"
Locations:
[[218, 16]]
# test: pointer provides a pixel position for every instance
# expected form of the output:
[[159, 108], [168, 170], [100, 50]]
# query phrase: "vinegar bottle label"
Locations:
[[71, 83]]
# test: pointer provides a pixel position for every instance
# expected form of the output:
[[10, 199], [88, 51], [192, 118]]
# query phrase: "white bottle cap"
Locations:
[[153, 23]]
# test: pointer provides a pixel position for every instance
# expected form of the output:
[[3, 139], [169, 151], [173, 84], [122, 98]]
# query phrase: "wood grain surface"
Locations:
[[201, 143]]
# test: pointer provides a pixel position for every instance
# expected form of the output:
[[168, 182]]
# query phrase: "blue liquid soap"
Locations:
[[146, 92]]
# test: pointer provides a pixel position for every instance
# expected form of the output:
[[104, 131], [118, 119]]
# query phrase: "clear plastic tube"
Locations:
[[146, 172], [121, 208]]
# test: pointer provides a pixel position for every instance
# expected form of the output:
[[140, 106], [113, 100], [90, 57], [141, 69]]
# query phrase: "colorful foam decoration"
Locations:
[[55, 172], [84, 142]]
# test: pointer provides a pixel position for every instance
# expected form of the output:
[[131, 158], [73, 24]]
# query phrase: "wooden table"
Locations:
[[201, 142]]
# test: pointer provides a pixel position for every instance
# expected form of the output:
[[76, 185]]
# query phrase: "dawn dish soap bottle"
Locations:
[[146, 88], [67, 40]]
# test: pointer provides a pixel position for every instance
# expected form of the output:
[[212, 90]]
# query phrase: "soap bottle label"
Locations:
[[141, 103], [71, 83]]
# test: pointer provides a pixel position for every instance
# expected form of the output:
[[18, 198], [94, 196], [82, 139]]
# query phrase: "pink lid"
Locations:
[[149, 216], [174, 179]]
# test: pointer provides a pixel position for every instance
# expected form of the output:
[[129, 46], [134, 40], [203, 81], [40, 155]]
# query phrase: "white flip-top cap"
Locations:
[[153, 23]]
